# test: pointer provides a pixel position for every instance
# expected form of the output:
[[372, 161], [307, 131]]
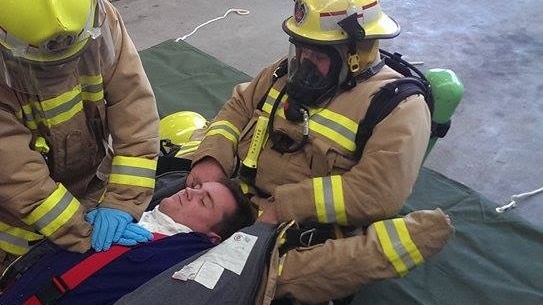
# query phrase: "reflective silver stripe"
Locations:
[[334, 126], [92, 88], [63, 108], [329, 199], [133, 171], [225, 128], [13, 240], [402, 252], [55, 212]]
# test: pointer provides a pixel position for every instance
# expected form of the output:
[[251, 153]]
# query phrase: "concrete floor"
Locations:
[[495, 143]]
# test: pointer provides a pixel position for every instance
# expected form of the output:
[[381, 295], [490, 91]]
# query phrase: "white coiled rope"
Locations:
[[238, 11], [515, 199]]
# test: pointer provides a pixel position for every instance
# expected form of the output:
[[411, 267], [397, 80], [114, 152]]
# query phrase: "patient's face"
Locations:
[[201, 207]]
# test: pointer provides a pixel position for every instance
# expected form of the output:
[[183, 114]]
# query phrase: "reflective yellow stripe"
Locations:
[[318, 191], [270, 100], [329, 201], [408, 243], [334, 126], [225, 129], [226, 124], [227, 135], [333, 135], [61, 99], [92, 88], [91, 79], [281, 264], [63, 218], [134, 162], [131, 180], [92, 96], [27, 115], [281, 239], [27, 109], [397, 245], [11, 243], [186, 149], [133, 171], [11, 248], [127, 170], [65, 116], [63, 107], [340, 120], [339, 202], [54, 212], [20, 233]]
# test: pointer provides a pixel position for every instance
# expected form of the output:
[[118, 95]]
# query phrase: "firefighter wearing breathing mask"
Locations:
[[78, 126], [304, 112]]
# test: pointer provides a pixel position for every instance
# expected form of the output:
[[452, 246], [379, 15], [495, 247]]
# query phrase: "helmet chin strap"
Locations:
[[356, 33]]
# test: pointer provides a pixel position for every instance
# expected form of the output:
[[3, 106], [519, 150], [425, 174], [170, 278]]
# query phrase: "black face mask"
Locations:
[[308, 86]]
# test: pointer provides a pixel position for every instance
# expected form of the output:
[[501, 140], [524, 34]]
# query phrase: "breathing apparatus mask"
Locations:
[[313, 73]]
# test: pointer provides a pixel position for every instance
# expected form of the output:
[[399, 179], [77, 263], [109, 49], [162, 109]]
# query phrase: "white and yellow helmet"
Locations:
[[350, 27], [316, 21]]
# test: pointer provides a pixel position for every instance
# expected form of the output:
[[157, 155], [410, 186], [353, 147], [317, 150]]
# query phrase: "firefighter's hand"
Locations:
[[107, 226], [205, 170], [134, 234]]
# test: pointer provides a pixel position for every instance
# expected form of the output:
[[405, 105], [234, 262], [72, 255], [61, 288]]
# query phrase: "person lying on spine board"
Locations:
[[195, 219]]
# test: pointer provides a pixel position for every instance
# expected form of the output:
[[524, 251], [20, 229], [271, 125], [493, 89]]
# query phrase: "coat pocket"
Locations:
[[327, 159]]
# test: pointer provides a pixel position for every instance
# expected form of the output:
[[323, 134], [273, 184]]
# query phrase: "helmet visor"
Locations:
[[312, 71], [314, 63], [33, 70]]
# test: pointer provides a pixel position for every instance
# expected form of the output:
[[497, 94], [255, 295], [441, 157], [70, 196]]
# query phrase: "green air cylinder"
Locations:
[[447, 91]]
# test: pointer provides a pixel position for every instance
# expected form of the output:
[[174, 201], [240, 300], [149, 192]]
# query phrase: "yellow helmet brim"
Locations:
[[383, 28]]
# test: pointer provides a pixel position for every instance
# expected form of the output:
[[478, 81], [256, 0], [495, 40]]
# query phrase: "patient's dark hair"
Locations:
[[242, 217]]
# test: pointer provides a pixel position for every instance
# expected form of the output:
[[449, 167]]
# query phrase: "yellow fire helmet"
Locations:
[[48, 31], [179, 126], [316, 21]]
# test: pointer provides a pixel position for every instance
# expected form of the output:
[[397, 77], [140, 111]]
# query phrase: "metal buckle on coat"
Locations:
[[309, 234]]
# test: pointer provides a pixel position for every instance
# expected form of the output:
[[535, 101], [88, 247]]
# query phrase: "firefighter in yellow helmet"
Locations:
[[71, 80], [294, 129]]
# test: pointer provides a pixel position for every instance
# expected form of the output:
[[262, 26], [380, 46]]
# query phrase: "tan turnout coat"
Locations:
[[323, 183], [47, 194]]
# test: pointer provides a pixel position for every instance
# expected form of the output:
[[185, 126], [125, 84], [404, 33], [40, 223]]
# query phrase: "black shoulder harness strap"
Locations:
[[390, 95], [382, 104], [386, 99], [279, 72]]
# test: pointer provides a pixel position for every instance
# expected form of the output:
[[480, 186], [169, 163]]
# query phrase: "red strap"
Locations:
[[86, 268], [33, 300]]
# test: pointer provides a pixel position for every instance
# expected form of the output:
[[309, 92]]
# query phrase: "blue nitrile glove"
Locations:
[[107, 226], [134, 234]]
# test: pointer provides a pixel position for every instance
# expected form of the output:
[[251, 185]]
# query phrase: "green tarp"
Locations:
[[493, 259]]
